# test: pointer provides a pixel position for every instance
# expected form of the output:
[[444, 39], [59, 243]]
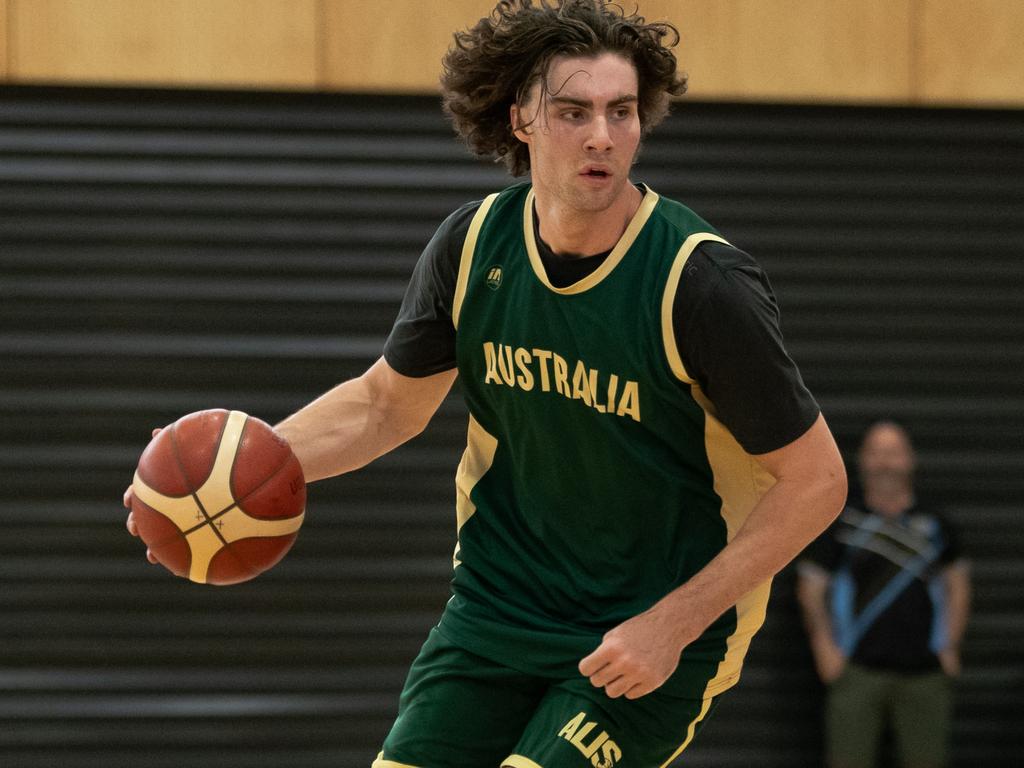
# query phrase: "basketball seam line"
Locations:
[[267, 479], [227, 545], [193, 492], [238, 501], [210, 519]]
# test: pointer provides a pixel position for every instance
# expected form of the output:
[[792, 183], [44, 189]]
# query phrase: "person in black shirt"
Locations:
[[885, 594]]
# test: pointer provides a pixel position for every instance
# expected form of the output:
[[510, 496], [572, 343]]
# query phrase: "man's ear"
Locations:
[[514, 113]]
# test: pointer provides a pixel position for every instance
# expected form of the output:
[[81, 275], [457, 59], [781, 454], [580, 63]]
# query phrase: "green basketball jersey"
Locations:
[[596, 478]]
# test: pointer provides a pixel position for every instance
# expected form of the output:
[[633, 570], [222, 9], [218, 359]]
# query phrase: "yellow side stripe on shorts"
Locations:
[[518, 761], [689, 731], [380, 762]]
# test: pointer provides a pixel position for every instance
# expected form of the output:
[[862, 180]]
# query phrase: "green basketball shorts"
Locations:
[[459, 710]]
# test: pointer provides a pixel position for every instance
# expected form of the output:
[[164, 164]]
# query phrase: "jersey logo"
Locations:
[[601, 750], [494, 278], [519, 368]]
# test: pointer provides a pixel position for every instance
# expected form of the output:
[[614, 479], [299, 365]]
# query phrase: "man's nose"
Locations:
[[600, 138]]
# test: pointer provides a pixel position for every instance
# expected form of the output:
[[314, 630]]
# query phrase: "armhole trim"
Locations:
[[668, 332], [466, 260]]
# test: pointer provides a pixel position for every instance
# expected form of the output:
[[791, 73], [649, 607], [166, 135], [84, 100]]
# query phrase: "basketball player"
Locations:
[[642, 453]]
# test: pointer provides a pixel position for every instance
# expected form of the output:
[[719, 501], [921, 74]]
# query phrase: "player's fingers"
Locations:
[[638, 690], [618, 687], [133, 529], [605, 675], [590, 664]]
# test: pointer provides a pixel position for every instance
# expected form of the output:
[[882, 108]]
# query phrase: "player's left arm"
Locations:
[[726, 327], [640, 654]]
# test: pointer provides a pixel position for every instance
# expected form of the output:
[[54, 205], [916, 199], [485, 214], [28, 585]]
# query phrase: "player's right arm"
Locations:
[[362, 419], [354, 423]]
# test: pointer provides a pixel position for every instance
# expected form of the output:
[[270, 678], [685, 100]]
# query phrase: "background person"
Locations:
[[885, 595]]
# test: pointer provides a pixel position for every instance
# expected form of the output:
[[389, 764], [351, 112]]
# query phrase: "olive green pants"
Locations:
[[862, 701]]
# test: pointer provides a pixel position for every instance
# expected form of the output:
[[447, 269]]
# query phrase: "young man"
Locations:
[[888, 640], [642, 454]]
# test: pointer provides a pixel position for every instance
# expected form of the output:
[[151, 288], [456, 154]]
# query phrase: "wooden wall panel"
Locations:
[[793, 50], [866, 51], [781, 49], [398, 47], [971, 53], [3, 39], [269, 43]]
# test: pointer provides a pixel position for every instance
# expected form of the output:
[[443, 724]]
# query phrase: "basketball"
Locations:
[[218, 497]]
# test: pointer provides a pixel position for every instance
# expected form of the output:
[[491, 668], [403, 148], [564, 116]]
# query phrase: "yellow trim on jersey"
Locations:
[[476, 460], [380, 762], [643, 213], [518, 761], [216, 500], [668, 333], [466, 261], [740, 482], [705, 708], [750, 614]]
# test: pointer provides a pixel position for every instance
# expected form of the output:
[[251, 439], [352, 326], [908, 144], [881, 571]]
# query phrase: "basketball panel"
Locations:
[[261, 453], [227, 567], [262, 553], [167, 543], [159, 467], [281, 495], [197, 437]]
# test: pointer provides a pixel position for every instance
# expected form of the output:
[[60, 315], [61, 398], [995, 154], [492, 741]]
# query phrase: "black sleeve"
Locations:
[[422, 340], [726, 323]]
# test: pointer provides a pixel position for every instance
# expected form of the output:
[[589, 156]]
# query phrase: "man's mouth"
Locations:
[[595, 173]]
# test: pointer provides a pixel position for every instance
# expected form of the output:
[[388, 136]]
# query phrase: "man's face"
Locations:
[[583, 130], [886, 456]]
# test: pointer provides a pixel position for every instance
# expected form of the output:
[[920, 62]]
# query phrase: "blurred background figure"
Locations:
[[885, 594]]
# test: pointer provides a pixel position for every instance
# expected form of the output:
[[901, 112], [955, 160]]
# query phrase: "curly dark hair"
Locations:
[[495, 64]]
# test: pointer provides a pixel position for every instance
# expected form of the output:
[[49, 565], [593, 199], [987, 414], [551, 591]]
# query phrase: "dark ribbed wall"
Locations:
[[162, 252]]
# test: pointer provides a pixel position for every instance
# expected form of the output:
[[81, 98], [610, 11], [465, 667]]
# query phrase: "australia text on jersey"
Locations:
[[521, 368]]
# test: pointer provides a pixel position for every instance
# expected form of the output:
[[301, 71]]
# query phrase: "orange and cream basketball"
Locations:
[[218, 497]]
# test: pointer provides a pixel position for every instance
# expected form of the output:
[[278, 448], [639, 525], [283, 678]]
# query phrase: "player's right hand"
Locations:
[[130, 524]]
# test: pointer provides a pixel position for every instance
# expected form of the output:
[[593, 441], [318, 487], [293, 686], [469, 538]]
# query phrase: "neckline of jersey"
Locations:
[[643, 213]]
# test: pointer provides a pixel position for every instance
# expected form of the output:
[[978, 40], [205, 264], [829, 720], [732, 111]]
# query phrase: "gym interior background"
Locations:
[[218, 204]]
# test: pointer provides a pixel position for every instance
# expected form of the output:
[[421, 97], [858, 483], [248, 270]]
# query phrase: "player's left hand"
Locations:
[[636, 657]]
